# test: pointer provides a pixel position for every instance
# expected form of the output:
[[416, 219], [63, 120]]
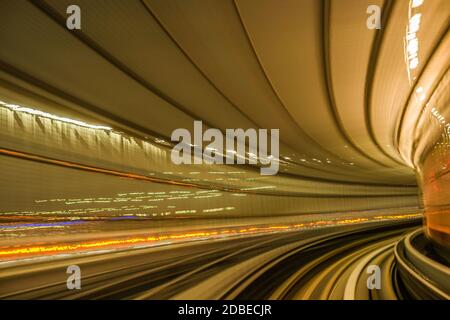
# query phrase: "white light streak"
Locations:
[[39, 113]]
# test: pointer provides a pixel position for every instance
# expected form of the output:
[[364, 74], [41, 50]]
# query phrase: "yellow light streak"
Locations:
[[13, 253]]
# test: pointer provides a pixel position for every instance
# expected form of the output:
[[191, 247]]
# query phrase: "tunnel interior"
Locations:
[[88, 119]]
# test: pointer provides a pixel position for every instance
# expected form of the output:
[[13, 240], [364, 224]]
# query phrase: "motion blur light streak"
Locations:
[[411, 39], [17, 252], [39, 113], [362, 181]]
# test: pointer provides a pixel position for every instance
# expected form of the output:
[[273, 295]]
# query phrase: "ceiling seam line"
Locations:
[[319, 146], [326, 5], [370, 75]]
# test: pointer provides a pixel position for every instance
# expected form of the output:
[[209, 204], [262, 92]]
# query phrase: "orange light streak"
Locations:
[[8, 253]]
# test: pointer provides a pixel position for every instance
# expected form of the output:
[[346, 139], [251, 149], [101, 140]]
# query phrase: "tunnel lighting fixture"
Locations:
[[419, 94], [39, 113], [258, 188], [440, 118], [417, 3], [218, 209], [411, 41], [161, 141]]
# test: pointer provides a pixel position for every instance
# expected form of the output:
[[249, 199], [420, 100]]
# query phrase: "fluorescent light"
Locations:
[[17, 108]]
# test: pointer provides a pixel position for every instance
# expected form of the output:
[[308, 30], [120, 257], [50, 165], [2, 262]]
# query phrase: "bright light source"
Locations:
[[17, 108], [416, 3]]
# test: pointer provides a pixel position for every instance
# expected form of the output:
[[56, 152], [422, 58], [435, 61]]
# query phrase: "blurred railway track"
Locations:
[[327, 264]]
